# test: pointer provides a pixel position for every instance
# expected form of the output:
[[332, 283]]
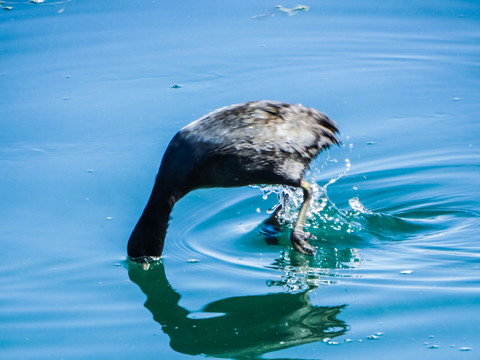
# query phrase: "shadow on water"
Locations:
[[237, 327]]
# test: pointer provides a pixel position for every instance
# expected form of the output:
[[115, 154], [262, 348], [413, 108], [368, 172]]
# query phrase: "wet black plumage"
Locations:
[[261, 142]]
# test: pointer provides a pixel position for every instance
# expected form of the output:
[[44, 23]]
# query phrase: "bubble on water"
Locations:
[[406, 272], [433, 346], [465, 348]]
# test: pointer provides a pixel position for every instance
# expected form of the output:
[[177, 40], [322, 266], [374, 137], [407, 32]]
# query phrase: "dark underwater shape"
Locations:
[[261, 142]]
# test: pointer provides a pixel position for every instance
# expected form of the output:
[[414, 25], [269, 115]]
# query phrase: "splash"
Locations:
[[358, 207], [322, 215], [348, 166]]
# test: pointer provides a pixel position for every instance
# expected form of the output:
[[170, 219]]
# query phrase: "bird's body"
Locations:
[[263, 142]]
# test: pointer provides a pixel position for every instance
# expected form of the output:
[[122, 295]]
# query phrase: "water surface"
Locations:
[[88, 105]]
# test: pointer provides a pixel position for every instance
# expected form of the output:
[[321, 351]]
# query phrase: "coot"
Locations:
[[258, 142]]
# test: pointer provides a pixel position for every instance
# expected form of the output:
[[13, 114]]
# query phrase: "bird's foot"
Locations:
[[300, 242], [271, 234]]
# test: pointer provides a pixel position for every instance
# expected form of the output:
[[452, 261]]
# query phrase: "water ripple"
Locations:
[[408, 205]]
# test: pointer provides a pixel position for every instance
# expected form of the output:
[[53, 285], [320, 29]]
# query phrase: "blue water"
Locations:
[[88, 104]]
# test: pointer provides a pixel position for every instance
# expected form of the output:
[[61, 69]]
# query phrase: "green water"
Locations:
[[88, 104]]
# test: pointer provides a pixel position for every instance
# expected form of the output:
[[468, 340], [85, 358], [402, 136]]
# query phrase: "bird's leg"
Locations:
[[273, 220], [298, 236], [271, 228]]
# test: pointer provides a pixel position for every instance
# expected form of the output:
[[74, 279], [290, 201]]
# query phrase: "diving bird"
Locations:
[[258, 142]]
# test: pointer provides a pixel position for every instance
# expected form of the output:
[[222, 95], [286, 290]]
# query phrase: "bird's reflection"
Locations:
[[236, 327]]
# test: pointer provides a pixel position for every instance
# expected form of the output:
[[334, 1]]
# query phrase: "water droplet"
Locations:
[[356, 205]]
